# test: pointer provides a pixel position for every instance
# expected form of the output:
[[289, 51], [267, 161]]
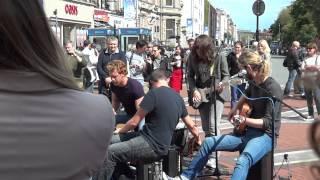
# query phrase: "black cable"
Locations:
[[275, 175]]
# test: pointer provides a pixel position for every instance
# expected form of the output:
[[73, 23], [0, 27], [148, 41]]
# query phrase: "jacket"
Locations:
[[104, 58], [199, 74], [50, 132]]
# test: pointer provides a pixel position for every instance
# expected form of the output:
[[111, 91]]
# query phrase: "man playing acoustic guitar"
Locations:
[[256, 141]]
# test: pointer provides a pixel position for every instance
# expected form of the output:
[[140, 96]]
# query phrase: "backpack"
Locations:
[[90, 75]]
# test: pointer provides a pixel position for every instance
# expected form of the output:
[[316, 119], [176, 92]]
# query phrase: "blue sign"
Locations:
[[189, 25], [100, 32]]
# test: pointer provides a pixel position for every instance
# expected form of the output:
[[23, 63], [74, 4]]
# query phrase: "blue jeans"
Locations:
[[125, 148], [254, 145], [291, 78], [236, 94]]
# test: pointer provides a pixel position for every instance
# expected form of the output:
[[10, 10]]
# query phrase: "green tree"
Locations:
[[303, 27], [296, 23], [313, 7]]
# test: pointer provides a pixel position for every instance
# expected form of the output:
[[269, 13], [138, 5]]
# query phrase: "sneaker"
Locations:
[[166, 177], [287, 95], [309, 118], [211, 164]]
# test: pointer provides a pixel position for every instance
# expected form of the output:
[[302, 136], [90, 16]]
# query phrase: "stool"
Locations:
[[262, 169], [149, 171], [171, 163]]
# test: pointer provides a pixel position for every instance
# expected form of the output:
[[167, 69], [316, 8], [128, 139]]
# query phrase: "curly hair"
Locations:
[[117, 65], [203, 49]]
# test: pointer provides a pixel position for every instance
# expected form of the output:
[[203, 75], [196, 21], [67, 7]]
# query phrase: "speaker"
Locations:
[[171, 162], [262, 169]]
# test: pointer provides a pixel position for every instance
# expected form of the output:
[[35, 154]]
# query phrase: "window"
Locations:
[[170, 28], [169, 2], [156, 29]]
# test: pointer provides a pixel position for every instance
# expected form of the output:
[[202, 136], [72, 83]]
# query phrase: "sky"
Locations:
[[242, 15]]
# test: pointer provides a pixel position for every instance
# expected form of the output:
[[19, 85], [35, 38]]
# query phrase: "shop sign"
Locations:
[[71, 9], [100, 15]]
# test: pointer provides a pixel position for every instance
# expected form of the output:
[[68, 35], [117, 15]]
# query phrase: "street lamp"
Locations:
[[55, 12], [279, 32]]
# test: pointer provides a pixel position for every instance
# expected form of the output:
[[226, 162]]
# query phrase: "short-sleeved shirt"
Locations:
[[164, 108], [137, 60], [128, 94]]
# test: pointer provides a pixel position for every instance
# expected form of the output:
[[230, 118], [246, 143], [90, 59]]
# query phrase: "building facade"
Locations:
[[69, 19], [192, 21]]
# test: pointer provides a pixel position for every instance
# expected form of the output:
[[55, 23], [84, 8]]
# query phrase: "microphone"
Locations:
[[239, 74]]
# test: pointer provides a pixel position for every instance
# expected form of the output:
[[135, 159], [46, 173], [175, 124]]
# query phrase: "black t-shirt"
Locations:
[[128, 95], [262, 108], [164, 108]]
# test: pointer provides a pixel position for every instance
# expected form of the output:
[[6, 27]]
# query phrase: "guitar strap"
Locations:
[[212, 70]]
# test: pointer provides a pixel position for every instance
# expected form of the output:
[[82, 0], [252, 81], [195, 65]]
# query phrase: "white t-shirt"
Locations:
[[309, 61], [136, 66], [93, 55]]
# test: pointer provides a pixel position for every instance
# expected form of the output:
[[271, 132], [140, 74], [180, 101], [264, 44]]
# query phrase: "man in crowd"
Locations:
[[136, 61], [159, 61], [110, 53], [162, 109], [293, 64], [127, 91], [90, 74], [76, 62], [148, 61]]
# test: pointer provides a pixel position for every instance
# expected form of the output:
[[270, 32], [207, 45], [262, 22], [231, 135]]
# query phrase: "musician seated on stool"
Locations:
[[162, 108], [127, 91], [255, 141]]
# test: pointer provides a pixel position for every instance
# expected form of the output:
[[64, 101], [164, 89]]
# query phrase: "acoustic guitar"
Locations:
[[240, 126]]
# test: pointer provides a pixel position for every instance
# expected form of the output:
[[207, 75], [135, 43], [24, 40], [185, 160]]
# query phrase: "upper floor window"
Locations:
[[169, 2]]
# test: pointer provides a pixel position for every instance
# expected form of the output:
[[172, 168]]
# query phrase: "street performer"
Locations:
[[256, 140], [203, 66], [162, 108]]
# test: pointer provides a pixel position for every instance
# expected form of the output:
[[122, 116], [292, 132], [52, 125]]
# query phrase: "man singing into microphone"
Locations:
[[256, 139]]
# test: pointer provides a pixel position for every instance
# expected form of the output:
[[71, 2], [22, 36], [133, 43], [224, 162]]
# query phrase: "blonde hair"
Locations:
[[265, 45], [254, 59]]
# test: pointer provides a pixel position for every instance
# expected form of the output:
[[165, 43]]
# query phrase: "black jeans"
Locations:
[[129, 147]]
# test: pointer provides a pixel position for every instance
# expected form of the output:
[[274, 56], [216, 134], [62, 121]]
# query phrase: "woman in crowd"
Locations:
[[49, 128], [234, 68], [312, 88], [177, 71], [264, 50]]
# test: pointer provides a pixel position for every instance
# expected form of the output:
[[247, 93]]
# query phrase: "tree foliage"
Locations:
[[297, 22]]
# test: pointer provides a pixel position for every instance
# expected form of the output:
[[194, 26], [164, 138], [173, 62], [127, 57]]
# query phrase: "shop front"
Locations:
[[69, 21]]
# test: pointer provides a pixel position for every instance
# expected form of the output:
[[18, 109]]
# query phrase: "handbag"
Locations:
[[285, 62]]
